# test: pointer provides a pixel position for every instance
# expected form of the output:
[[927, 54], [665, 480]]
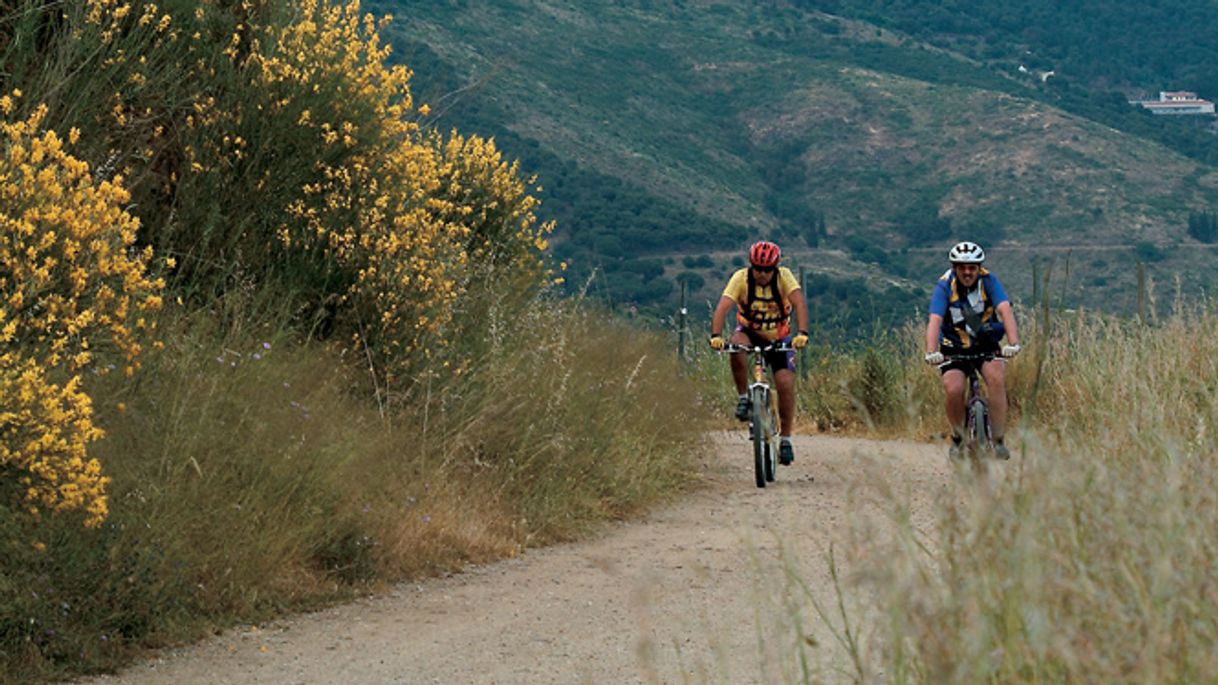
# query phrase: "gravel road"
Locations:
[[696, 592]]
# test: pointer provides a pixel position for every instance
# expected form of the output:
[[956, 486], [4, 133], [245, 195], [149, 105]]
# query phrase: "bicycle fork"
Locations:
[[759, 395], [759, 398]]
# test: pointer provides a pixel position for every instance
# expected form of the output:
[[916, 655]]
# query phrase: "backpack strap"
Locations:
[[971, 318]]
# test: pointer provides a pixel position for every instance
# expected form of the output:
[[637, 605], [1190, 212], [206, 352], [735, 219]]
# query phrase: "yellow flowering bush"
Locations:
[[46, 431], [487, 195], [399, 213], [71, 286], [272, 142]]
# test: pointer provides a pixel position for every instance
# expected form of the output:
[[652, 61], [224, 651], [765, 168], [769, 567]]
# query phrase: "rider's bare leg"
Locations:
[[994, 373], [740, 364], [953, 389], [784, 381]]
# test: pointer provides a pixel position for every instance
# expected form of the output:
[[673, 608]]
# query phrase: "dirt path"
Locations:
[[675, 598]]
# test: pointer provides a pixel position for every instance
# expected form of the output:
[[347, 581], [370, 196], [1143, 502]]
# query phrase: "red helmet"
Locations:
[[764, 253]]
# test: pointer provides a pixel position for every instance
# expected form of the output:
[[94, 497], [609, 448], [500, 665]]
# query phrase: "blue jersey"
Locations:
[[949, 301]]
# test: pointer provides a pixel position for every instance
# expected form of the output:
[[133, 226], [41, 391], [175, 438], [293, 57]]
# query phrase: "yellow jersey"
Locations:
[[766, 312]]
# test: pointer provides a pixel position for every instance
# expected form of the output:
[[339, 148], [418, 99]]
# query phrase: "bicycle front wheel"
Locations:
[[979, 425], [771, 443], [761, 445], [978, 433]]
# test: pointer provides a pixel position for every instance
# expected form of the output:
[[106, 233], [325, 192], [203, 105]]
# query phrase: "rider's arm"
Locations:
[[1007, 314], [934, 328], [938, 310], [801, 309], [720, 316]]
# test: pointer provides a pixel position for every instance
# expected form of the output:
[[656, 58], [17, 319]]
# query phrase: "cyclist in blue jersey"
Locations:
[[970, 313]]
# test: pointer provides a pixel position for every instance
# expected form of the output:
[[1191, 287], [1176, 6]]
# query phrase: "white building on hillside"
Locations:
[[1178, 102]]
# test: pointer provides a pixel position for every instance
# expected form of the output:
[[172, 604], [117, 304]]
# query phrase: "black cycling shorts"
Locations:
[[964, 364]]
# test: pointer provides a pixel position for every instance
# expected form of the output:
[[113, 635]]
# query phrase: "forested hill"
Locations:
[[1101, 45], [1093, 56], [865, 136]]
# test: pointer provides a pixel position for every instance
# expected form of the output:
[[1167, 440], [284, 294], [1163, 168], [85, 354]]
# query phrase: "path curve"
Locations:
[[677, 597]]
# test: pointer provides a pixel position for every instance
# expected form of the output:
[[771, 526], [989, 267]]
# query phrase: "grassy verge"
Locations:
[[1089, 561], [249, 479], [1086, 560]]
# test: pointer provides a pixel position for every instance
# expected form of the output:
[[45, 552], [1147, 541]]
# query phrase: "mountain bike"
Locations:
[[763, 411], [978, 433]]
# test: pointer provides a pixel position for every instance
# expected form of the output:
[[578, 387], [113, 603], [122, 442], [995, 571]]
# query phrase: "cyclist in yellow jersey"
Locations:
[[764, 294]]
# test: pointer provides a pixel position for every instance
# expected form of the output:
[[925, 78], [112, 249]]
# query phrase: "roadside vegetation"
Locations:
[[269, 343], [1090, 560], [1087, 560]]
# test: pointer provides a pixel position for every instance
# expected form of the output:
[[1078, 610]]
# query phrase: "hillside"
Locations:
[[665, 131]]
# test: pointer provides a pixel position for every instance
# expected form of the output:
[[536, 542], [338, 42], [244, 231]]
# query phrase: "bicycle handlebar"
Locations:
[[772, 347], [971, 357]]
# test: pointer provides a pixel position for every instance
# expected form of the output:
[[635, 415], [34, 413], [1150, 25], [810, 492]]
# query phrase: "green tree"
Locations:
[[1203, 226]]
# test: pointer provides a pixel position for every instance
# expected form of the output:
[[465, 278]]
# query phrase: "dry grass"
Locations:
[[254, 476], [1086, 559], [1090, 561]]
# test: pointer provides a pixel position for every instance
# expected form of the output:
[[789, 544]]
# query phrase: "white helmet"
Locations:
[[966, 253]]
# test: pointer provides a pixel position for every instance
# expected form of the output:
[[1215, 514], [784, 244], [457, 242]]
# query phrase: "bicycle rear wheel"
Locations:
[[761, 446]]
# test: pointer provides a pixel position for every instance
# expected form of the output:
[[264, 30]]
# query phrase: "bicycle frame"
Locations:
[[763, 411], [978, 431]]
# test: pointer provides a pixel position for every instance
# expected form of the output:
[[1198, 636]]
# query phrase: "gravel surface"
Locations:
[[697, 592]]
